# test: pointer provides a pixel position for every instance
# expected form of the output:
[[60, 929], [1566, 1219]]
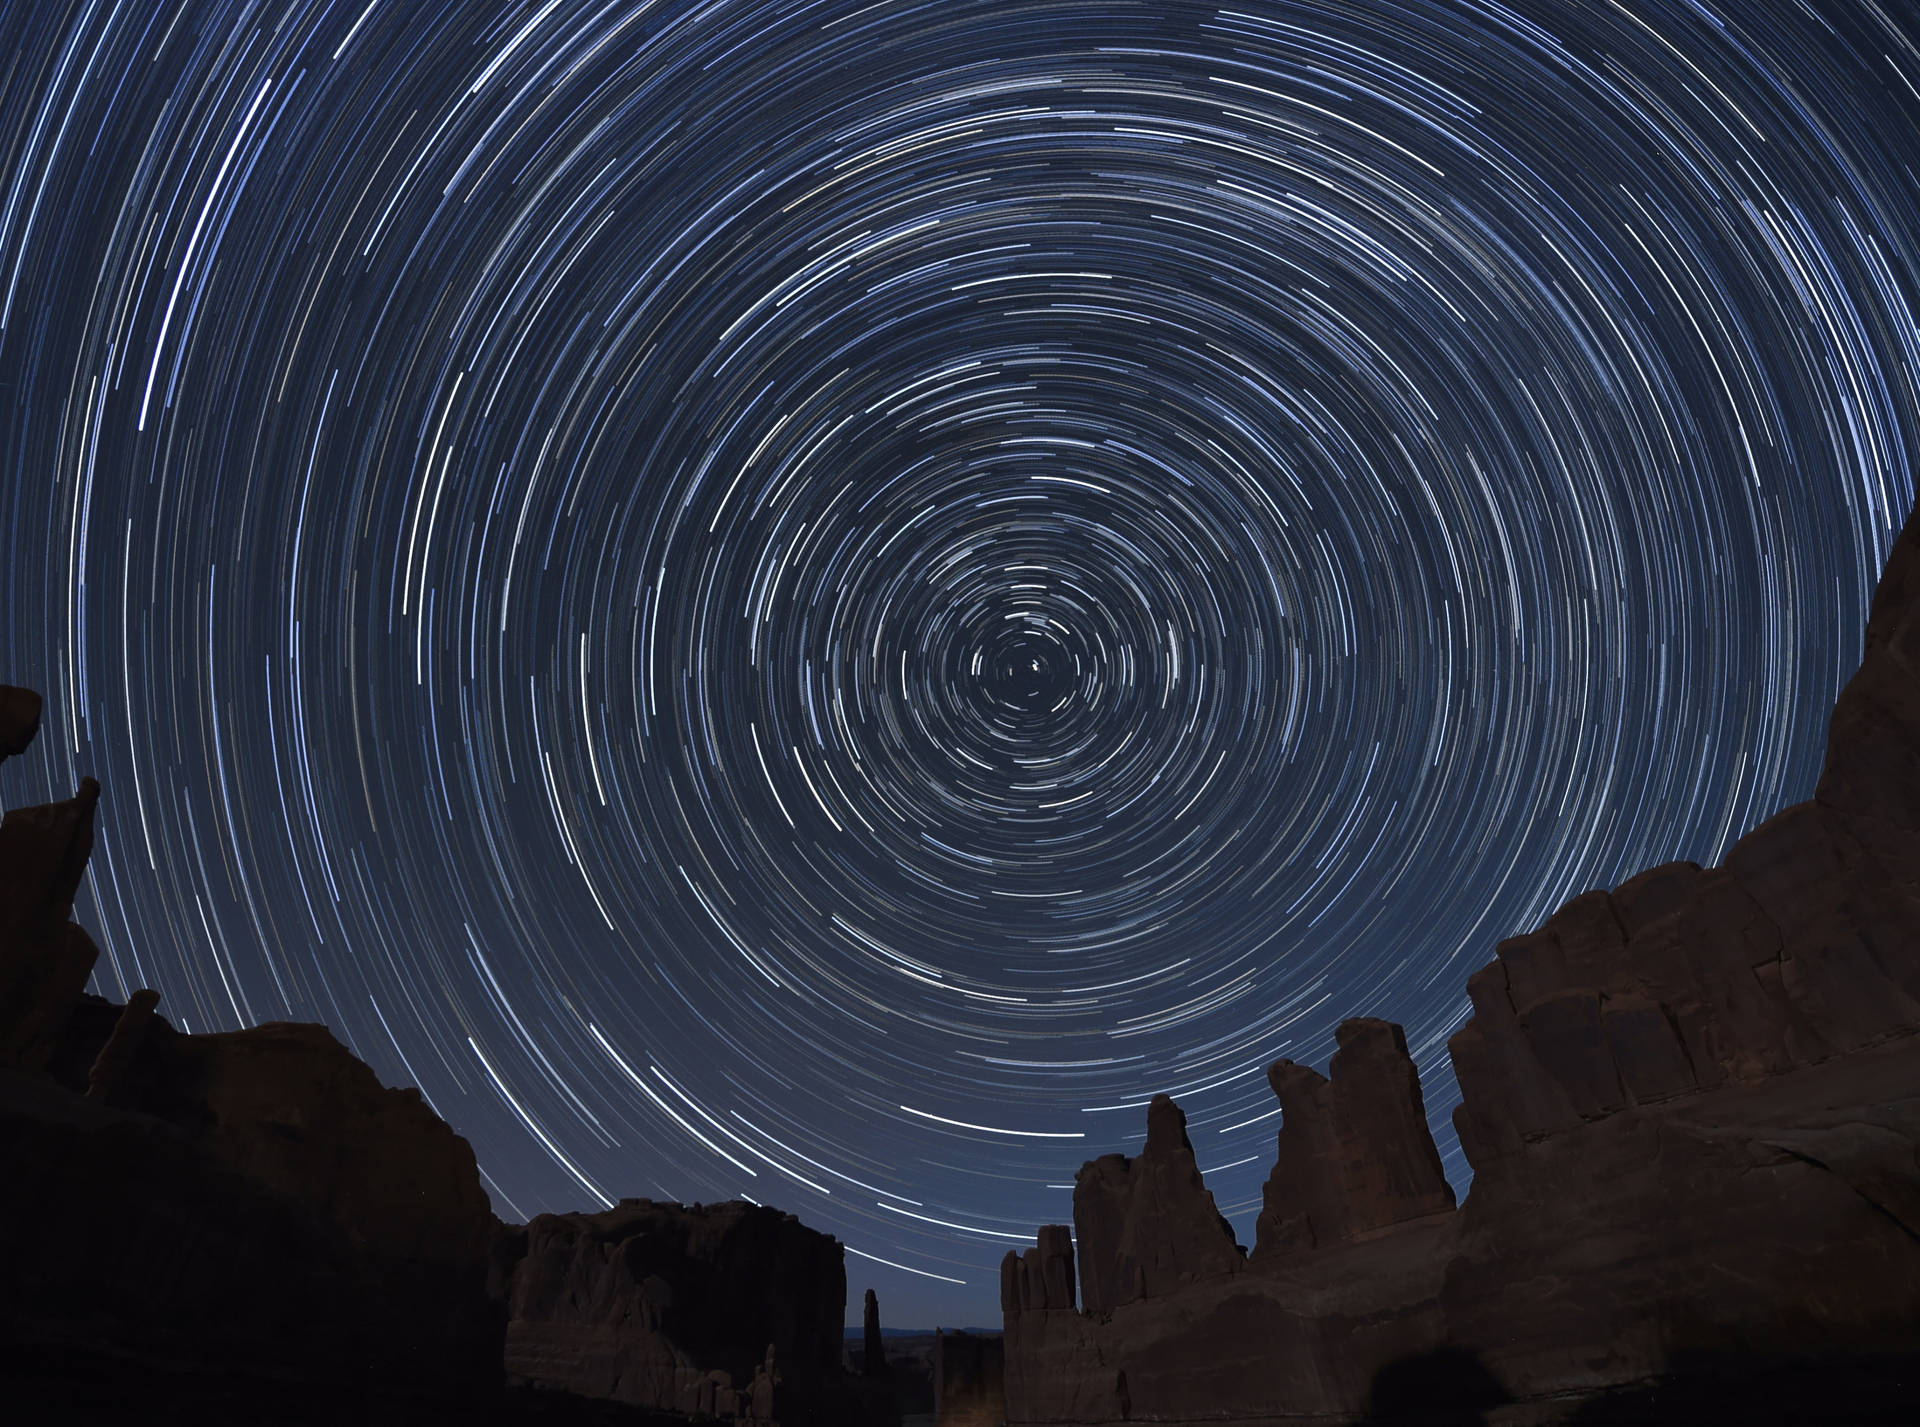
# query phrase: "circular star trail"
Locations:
[[814, 600]]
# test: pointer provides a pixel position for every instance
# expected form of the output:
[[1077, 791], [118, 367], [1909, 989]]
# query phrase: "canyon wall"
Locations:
[[1692, 1107]]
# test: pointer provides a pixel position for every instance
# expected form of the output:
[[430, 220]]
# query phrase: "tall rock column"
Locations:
[[874, 1360], [1355, 1151], [1147, 1225]]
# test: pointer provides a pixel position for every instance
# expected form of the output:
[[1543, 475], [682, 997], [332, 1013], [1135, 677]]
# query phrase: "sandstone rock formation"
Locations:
[[723, 1309], [1355, 1151], [1692, 1104], [1043, 1276], [216, 1222], [111, 1067], [1144, 1226], [1803, 945], [273, 1205]]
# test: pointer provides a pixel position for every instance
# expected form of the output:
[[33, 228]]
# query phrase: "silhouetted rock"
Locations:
[[1146, 1225], [45, 959], [19, 720], [246, 1204], [672, 1307], [874, 1354], [1355, 1151], [274, 1210]]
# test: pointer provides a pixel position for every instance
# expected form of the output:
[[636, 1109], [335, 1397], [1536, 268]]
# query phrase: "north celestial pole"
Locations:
[[812, 601]]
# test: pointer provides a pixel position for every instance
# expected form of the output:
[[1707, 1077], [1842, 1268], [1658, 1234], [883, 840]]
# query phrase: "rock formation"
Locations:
[[273, 1206], [221, 1220], [723, 1309], [873, 1355], [108, 1074], [1355, 1152], [1692, 1105], [1143, 1226], [1043, 1276]]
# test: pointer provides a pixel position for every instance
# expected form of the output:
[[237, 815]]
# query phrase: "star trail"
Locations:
[[812, 601]]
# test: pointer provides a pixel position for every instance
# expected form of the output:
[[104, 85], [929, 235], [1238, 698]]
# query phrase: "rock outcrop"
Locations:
[[214, 1224], [1355, 1152], [1692, 1104], [1042, 1277], [1803, 945], [721, 1309], [273, 1206]]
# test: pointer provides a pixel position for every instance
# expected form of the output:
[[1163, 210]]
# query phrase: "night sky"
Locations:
[[811, 601]]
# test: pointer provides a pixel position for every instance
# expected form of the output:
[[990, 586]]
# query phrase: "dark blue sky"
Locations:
[[815, 600]]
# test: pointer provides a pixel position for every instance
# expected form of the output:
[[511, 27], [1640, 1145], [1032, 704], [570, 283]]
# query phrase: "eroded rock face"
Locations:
[[672, 1307], [1764, 1228], [293, 1109], [873, 1350], [352, 1202], [1146, 1225], [1355, 1151]]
